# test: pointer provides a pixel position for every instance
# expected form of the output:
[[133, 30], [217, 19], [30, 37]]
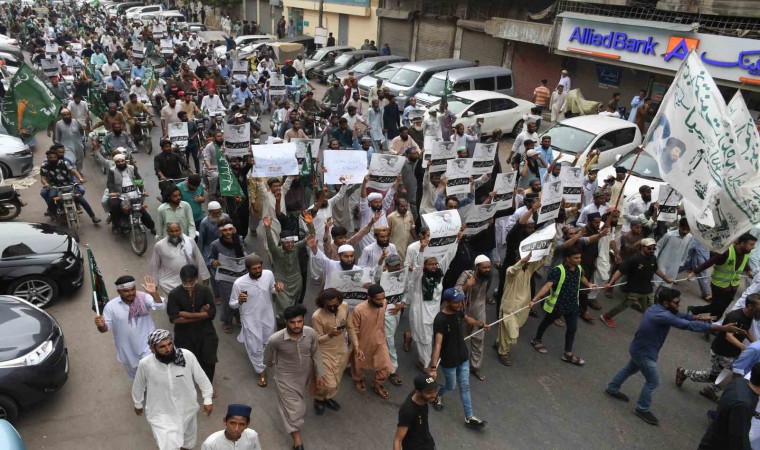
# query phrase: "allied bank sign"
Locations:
[[727, 58]]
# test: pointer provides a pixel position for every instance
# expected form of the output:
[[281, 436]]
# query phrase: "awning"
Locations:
[[520, 31], [631, 22]]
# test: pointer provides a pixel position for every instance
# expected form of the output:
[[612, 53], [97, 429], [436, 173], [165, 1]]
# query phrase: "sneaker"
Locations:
[[709, 393], [617, 395], [438, 403], [680, 376], [607, 320], [647, 417], [474, 422]]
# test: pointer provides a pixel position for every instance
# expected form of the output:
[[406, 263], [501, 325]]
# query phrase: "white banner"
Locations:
[[178, 133], [483, 158], [51, 50], [444, 229], [237, 140], [694, 140], [302, 147], [350, 165], [540, 243], [240, 69], [572, 183], [505, 190], [138, 49], [668, 199], [458, 176], [277, 85], [230, 269], [551, 200], [274, 160], [50, 67], [440, 152], [320, 36], [383, 170], [351, 283], [479, 217], [167, 47], [394, 283]]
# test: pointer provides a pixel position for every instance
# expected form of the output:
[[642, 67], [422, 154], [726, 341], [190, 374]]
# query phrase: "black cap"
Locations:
[[424, 382], [621, 169]]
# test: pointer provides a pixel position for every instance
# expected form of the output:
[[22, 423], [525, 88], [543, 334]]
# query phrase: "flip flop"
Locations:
[[477, 374], [380, 391], [360, 386], [395, 379]]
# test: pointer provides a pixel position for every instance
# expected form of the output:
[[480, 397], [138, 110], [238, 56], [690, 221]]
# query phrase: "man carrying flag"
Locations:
[[228, 182], [128, 315], [29, 104]]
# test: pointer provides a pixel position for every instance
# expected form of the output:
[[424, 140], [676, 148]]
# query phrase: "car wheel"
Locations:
[[518, 128], [38, 290], [5, 170], [8, 409]]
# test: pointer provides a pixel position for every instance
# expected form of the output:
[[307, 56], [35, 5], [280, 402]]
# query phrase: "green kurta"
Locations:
[[287, 270]]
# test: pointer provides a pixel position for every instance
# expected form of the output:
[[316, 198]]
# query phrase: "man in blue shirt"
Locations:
[[546, 153], [138, 71], [646, 345], [240, 94], [118, 85]]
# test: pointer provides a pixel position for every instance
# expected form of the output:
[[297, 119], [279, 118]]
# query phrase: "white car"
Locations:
[[612, 136], [134, 13], [499, 110], [7, 40], [242, 41], [646, 172]]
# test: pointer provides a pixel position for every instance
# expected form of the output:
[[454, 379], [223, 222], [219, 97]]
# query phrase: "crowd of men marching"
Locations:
[[335, 235]]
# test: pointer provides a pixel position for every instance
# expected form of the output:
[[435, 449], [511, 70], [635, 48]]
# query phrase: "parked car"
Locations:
[[34, 361], [120, 9], [242, 41], [15, 156], [342, 62], [368, 81], [38, 261], [138, 10], [612, 136], [483, 78], [192, 26], [320, 56], [370, 65], [307, 41], [8, 40], [12, 50], [498, 110], [646, 172], [9, 437], [410, 80]]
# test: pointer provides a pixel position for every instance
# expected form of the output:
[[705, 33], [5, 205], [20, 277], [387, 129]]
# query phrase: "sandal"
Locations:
[[505, 359], [707, 298], [559, 322], [573, 359], [360, 386], [262, 380], [395, 379], [477, 374], [538, 346], [380, 391], [227, 329]]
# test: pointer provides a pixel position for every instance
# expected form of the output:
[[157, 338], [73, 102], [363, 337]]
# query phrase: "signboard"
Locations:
[[345, 166], [483, 158], [479, 217], [551, 200], [440, 152], [383, 170], [608, 76], [167, 47], [274, 160], [178, 133], [458, 176], [540, 243], [504, 187], [277, 86], [394, 283], [572, 183], [350, 283], [50, 67]]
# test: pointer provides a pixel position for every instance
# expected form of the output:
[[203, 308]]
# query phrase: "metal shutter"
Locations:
[[398, 34], [265, 22], [435, 39], [488, 49]]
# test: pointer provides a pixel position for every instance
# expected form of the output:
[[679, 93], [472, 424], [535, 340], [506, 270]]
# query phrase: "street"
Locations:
[[539, 402]]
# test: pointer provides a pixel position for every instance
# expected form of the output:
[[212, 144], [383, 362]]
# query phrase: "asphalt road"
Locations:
[[539, 402]]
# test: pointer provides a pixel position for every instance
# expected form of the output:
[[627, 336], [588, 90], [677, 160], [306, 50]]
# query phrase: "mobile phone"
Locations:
[[341, 327]]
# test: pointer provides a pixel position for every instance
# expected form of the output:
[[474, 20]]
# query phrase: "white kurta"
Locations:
[[256, 315], [167, 392], [269, 209], [130, 339], [366, 213], [671, 254], [324, 266], [167, 260], [249, 440], [371, 255], [558, 105]]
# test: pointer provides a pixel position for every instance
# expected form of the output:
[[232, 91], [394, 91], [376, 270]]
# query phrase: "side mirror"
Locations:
[[469, 114], [617, 157], [420, 84]]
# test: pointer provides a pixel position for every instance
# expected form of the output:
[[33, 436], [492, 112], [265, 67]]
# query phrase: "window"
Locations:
[[461, 86], [502, 104], [504, 82], [606, 142], [485, 84], [625, 136], [481, 107]]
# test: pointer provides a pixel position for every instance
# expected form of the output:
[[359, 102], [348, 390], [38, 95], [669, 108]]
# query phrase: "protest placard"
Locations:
[[349, 165], [277, 85], [551, 200], [540, 243], [302, 147], [350, 283], [483, 158], [668, 199], [458, 176], [444, 228], [230, 269], [178, 133], [50, 66], [440, 152], [504, 186], [572, 183], [274, 160], [394, 283], [237, 140], [383, 170], [479, 217]]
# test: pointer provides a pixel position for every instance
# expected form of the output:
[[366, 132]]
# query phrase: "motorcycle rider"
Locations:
[[132, 109], [167, 164], [139, 90], [54, 173], [123, 180], [334, 97], [210, 171], [118, 138]]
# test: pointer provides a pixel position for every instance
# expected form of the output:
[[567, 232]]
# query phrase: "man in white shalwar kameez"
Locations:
[[164, 389], [171, 254], [236, 434], [252, 294], [672, 250], [369, 204], [558, 104], [269, 192], [374, 251], [322, 266], [128, 316]]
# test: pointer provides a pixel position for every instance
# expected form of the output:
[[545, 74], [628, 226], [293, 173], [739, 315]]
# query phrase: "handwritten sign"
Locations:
[[349, 165], [383, 170], [444, 228], [274, 160], [483, 158], [458, 176]]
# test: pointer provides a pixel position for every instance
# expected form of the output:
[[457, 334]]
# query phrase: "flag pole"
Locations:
[[628, 175], [92, 280]]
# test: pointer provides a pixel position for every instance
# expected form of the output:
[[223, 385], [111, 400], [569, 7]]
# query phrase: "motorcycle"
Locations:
[[10, 202], [66, 207], [217, 120], [143, 121], [131, 223]]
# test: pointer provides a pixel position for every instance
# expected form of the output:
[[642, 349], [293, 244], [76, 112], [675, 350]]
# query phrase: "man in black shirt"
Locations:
[[191, 309], [167, 164], [725, 349], [733, 418], [450, 347], [413, 431]]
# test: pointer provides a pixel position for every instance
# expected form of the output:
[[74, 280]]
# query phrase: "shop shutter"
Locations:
[[435, 39], [488, 49], [530, 64], [265, 24], [398, 35]]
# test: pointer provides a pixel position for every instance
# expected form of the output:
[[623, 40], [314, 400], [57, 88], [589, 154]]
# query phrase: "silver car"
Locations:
[[367, 81], [15, 156]]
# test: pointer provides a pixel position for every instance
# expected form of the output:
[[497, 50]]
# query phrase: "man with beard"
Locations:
[[330, 322], [210, 170], [598, 206], [374, 254], [647, 342], [112, 116], [171, 407], [590, 185], [396, 304], [125, 180], [337, 236], [416, 132], [475, 285], [167, 164], [295, 355], [391, 119], [323, 267], [128, 316], [69, 132], [402, 143], [375, 124], [230, 244], [252, 295], [239, 209], [208, 231], [236, 434], [374, 202], [370, 348], [295, 132], [413, 430], [174, 209], [401, 226], [640, 207], [412, 175], [271, 198], [462, 139], [191, 309], [193, 193], [321, 210], [523, 227], [286, 265], [118, 138], [171, 254], [169, 113], [529, 133], [424, 290]]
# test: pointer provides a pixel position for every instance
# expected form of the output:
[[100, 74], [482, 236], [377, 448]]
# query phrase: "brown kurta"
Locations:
[[334, 349], [368, 335], [516, 295], [475, 307], [294, 363], [401, 231]]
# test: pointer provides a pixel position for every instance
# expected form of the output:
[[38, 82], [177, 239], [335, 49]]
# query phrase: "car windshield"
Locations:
[[387, 73], [405, 77], [434, 87], [568, 139], [343, 59], [456, 104], [646, 166], [319, 55], [363, 67]]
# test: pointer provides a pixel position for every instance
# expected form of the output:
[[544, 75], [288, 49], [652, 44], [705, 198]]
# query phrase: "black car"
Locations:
[[37, 261], [34, 361]]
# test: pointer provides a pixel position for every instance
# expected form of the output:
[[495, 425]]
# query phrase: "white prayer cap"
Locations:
[[345, 248], [481, 259], [214, 206], [374, 196], [120, 157]]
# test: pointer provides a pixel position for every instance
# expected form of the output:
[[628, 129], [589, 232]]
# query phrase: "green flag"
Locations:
[[307, 169], [228, 182], [29, 102], [99, 292], [448, 87]]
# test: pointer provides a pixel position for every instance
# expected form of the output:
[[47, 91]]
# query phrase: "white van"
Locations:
[[482, 78]]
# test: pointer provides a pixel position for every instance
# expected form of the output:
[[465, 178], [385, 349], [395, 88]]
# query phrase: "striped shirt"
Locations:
[[542, 94]]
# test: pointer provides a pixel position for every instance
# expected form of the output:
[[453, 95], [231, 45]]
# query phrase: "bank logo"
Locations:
[[679, 47]]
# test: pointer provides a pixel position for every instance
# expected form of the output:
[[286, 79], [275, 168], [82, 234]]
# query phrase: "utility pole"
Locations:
[[321, 12]]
